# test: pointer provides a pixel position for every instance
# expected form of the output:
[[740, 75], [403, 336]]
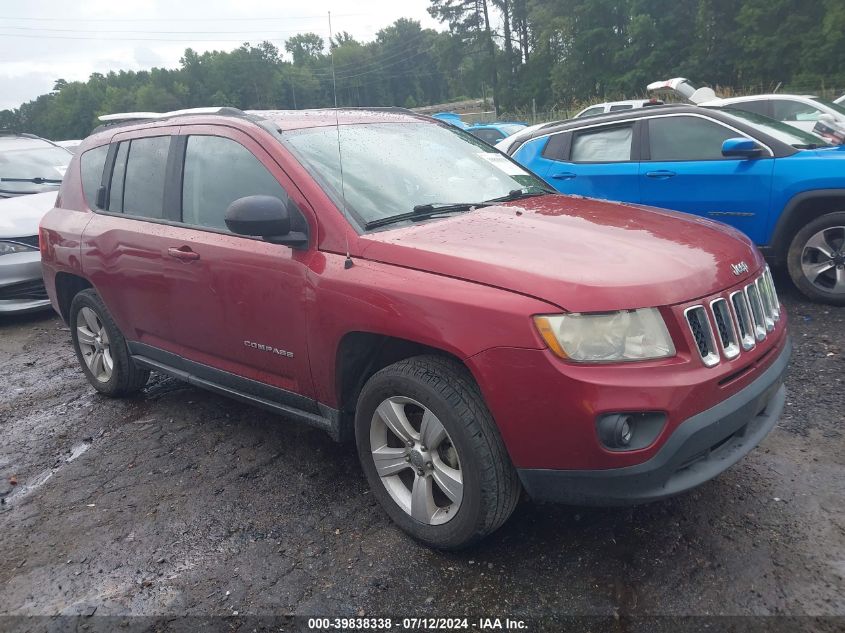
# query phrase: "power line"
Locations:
[[186, 40], [144, 32], [134, 19]]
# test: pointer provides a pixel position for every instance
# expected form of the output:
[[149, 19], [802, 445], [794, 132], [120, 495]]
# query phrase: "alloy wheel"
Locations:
[[823, 260], [94, 344], [416, 460]]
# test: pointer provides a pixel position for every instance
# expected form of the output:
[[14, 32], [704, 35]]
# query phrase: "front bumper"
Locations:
[[700, 448], [21, 283]]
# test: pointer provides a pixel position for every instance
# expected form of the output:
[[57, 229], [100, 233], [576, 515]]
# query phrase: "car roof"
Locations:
[[12, 142], [610, 117], [280, 120], [759, 97]]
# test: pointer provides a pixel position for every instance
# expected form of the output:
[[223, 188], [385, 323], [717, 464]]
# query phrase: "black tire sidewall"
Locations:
[[87, 299], [795, 252], [466, 523]]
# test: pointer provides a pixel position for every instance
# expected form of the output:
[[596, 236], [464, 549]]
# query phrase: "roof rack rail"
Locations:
[[8, 132], [154, 116]]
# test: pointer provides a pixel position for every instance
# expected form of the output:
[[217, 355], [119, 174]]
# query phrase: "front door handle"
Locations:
[[184, 253], [660, 173], [564, 175]]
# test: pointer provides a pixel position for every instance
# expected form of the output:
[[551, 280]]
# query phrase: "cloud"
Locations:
[[40, 42]]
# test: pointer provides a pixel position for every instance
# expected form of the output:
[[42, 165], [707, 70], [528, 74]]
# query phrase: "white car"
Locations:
[[800, 111], [840, 100], [505, 144], [30, 164], [21, 283], [616, 106]]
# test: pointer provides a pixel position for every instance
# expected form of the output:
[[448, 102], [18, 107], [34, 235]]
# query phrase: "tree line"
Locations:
[[516, 53]]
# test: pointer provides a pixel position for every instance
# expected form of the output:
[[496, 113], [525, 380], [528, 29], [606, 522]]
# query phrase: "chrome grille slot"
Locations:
[[702, 333], [756, 307], [767, 275], [725, 327], [743, 319], [766, 302]]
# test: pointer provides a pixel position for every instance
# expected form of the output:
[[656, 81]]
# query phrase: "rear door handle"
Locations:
[[184, 253], [660, 173], [564, 175]]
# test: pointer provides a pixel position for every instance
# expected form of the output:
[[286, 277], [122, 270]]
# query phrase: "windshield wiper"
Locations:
[[517, 194], [423, 211], [37, 181]]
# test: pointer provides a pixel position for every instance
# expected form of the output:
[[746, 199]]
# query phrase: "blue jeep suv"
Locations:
[[782, 187]]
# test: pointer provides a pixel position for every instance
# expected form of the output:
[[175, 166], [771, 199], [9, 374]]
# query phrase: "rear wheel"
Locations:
[[101, 348], [432, 454], [816, 259]]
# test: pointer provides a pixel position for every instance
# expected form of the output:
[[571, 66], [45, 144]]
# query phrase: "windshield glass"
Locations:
[[42, 162], [830, 104], [389, 168], [781, 131]]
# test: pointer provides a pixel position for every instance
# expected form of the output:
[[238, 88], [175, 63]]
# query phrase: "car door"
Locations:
[[238, 302], [683, 169], [124, 246], [597, 161]]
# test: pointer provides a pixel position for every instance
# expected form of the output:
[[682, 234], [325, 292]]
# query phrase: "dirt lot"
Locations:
[[182, 502]]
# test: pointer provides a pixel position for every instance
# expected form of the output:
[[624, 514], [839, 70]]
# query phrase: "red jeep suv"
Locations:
[[391, 278]]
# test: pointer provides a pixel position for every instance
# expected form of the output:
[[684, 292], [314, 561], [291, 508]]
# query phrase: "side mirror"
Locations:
[[267, 217], [741, 148]]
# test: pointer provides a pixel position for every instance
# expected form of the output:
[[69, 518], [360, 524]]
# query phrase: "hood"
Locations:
[[580, 254], [21, 215]]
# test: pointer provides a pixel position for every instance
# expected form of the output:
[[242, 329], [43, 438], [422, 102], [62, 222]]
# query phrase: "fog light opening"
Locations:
[[629, 431]]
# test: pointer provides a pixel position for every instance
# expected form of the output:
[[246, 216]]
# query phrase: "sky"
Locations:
[[45, 40]]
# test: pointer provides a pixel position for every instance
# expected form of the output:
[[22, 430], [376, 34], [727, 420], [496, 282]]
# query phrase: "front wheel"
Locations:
[[816, 259], [432, 453]]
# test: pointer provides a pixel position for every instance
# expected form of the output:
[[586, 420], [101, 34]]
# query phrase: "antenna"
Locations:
[[348, 263]]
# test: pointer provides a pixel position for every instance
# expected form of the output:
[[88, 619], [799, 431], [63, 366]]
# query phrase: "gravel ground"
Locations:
[[182, 502]]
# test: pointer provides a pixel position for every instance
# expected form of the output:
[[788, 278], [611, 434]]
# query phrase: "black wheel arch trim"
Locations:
[[779, 242]]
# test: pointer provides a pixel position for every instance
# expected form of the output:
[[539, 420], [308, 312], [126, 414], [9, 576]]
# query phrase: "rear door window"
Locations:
[[217, 172], [604, 145], [146, 167], [118, 176], [617, 108]]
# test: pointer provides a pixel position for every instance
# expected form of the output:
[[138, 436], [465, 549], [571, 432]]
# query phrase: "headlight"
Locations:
[[607, 337], [7, 248]]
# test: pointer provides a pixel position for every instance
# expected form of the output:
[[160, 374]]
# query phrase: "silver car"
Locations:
[[21, 284], [31, 171]]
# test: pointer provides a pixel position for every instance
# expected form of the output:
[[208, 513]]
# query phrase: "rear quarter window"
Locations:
[[91, 167]]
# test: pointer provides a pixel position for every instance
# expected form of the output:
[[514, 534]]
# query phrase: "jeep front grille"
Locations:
[[738, 321], [725, 327], [703, 334]]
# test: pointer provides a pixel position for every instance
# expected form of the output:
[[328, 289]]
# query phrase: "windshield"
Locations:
[[390, 168], [44, 162], [830, 104], [781, 131]]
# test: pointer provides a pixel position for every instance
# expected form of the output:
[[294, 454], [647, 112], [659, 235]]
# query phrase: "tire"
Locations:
[[472, 447], [125, 377], [828, 233]]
